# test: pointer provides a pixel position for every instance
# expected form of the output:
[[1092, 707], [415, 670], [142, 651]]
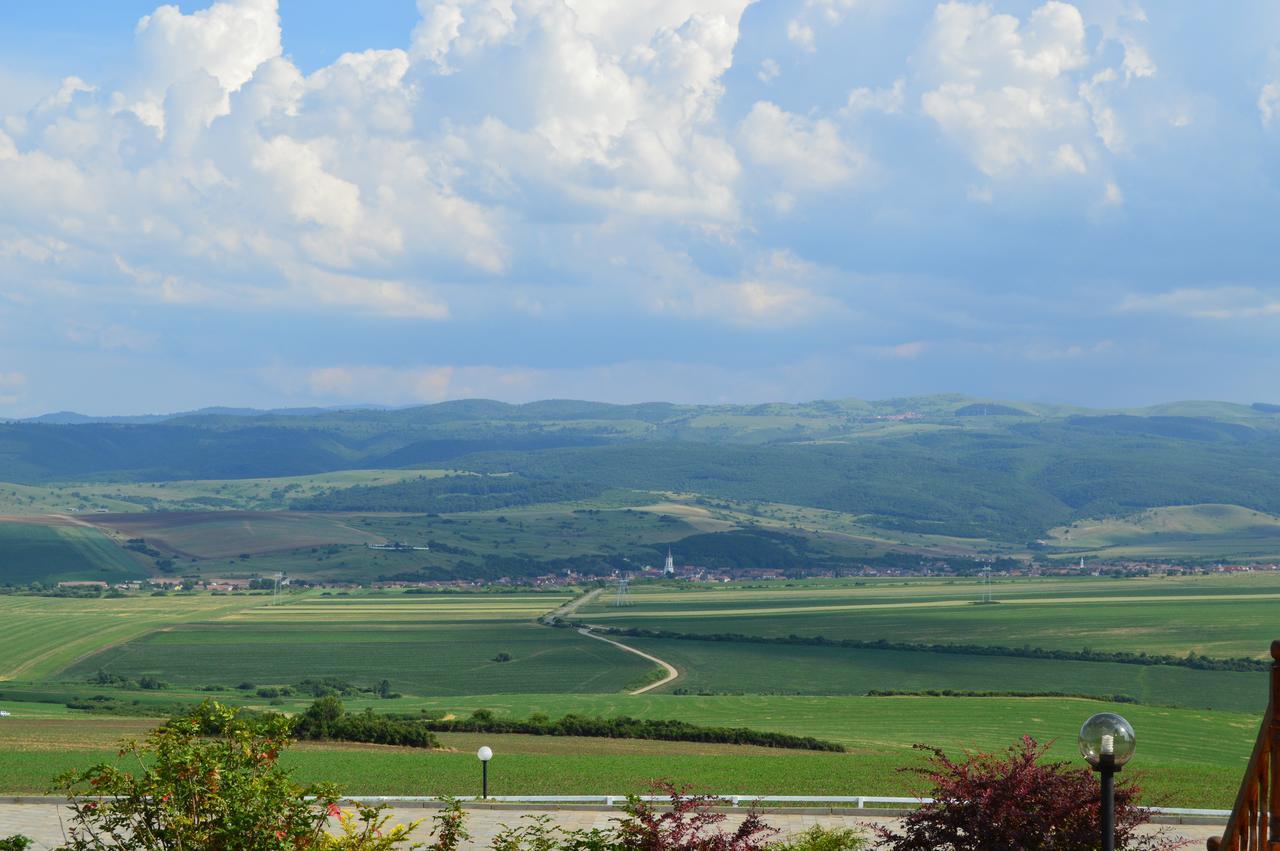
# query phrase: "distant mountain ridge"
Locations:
[[75, 418], [957, 404]]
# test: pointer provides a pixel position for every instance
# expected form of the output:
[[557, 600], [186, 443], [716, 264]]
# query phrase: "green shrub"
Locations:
[[17, 842], [328, 719], [367, 830], [819, 838]]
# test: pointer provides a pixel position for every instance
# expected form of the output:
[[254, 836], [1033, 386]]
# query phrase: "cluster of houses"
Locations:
[[694, 573]]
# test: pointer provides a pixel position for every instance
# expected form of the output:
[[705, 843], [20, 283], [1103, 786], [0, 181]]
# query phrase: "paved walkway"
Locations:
[[41, 822]]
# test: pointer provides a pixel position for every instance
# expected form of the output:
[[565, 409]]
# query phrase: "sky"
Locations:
[[318, 202]]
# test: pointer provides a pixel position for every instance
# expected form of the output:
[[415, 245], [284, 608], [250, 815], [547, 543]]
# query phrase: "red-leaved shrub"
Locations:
[[1014, 800], [689, 824]]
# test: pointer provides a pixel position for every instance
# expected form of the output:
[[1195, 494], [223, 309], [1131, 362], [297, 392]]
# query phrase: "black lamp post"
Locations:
[[484, 754], [1107, 742]]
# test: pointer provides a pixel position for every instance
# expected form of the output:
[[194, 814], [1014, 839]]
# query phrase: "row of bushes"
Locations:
[[324, 720], [1124, 657], [948, 692], [622, 727], [327, 720]]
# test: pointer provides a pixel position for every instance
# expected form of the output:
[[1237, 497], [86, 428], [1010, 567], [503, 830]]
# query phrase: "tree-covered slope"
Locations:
[[948, 465]]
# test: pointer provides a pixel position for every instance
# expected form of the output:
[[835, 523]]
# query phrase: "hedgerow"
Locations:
[[1191, 660], [624, 727]]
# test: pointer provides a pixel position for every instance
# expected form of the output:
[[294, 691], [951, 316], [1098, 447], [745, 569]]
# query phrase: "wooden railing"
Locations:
[[1255, 819]]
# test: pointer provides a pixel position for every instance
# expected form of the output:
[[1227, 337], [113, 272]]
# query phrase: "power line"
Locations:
[[623, 595]]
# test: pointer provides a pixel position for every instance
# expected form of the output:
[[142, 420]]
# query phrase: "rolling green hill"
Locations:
[[1174, 532], [52, 552], [932, 472]]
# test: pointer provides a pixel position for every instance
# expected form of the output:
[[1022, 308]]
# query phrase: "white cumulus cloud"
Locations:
[[1022, 96], [806, 152]]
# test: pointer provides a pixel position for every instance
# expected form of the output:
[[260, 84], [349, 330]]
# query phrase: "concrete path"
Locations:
[[41, 822], [672, 673]]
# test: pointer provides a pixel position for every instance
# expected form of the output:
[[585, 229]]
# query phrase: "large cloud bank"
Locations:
[[702, 161]]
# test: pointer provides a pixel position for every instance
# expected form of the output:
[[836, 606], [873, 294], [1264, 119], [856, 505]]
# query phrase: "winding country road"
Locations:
[[571, 607], [672, 673]]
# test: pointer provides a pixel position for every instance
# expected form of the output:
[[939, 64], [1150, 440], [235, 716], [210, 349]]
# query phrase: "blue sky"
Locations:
[[326, 203]]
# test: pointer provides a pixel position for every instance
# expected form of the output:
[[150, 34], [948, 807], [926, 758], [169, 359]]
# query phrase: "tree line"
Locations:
[[1124, 657], [623, 727]]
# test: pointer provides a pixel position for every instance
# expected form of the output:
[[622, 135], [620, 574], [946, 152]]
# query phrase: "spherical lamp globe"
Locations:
[[1107, 734]]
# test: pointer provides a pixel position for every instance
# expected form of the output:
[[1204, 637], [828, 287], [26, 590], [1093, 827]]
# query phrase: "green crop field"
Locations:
[[40, 636], [1220, 616], [53, 551], [422, 644], [717, 667]]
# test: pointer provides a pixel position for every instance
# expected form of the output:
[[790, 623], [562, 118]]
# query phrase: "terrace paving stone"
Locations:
[[43, 822]]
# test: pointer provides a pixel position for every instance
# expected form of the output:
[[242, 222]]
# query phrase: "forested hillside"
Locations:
[[940, 465]]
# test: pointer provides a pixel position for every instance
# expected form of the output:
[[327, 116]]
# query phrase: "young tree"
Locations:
[[189, 792]]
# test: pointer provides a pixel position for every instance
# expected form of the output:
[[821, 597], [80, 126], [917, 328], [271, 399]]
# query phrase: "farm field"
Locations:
[[440, 652], [717, 667], [40, 636], [477, 544], [61, 551], [1182, 765], [323, 545], [1219, 616], [543, 531], [228, 534], [422, 644]]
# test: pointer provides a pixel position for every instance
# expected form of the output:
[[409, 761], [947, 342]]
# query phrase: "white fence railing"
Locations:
[[857, 801]]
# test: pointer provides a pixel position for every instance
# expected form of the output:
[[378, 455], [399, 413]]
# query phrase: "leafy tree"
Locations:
[[320, 718]]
